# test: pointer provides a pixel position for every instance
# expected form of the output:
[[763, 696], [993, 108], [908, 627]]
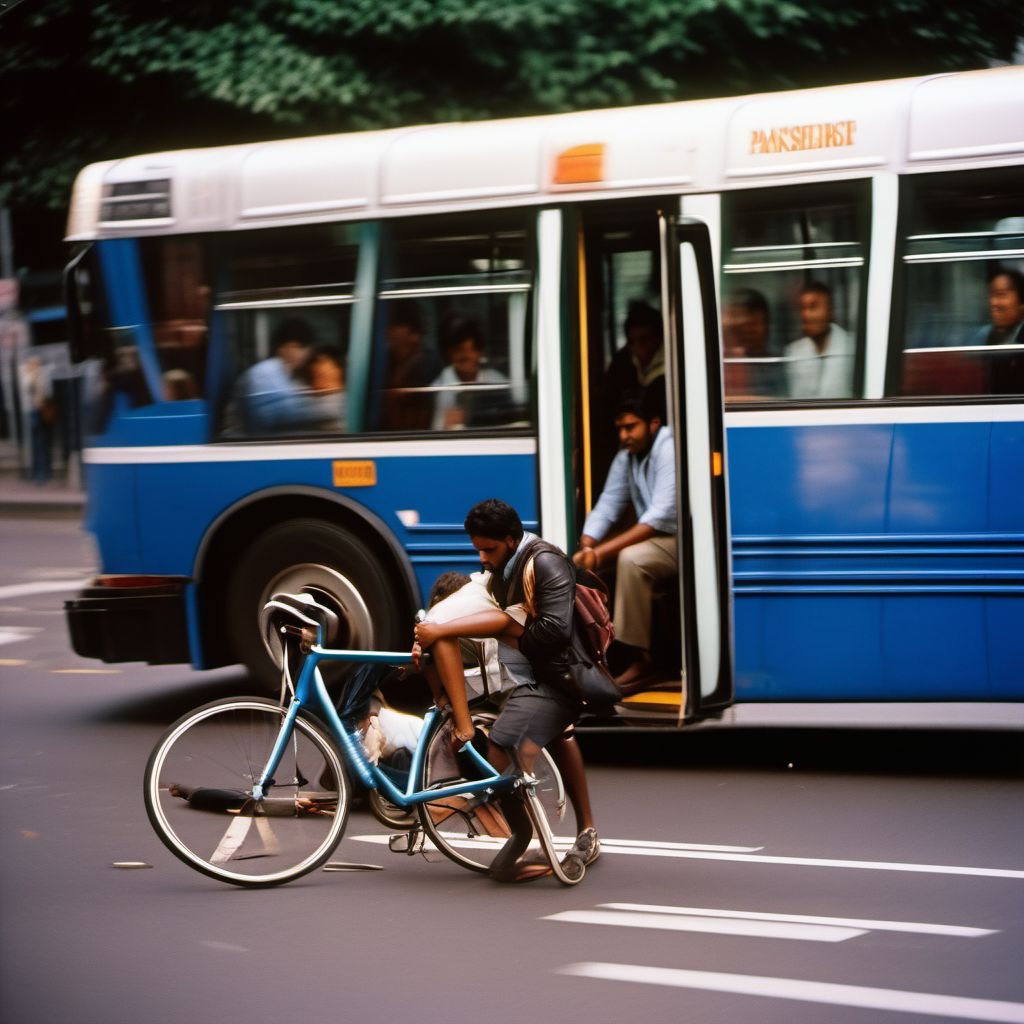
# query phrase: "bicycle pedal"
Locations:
[[409, 843]]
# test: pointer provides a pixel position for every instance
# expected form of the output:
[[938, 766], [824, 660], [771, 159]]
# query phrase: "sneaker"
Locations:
[[587, 846]]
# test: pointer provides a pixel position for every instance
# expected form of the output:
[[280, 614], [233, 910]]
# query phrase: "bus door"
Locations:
[[646, 315]]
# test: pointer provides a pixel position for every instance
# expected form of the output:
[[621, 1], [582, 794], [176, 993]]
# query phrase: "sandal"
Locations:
[[587, 846]]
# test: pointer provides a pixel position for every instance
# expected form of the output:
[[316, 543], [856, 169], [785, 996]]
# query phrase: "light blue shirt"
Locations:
[[648, 482], [272, 402]]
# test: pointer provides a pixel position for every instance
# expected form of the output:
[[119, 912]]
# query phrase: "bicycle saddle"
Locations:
[[302, 610]]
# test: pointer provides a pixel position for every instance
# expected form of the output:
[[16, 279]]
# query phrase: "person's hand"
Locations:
[[417, 655], [585, 558], [427, 634]]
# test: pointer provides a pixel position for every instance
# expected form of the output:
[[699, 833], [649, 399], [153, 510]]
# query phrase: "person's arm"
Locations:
[[476, 627], [601, 554], [549, 632], [660, 514], [273, 401], [610, 506]]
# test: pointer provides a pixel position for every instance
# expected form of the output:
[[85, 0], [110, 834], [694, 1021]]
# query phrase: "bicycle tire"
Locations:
[[198, 786], [388, 814], [459, 827]]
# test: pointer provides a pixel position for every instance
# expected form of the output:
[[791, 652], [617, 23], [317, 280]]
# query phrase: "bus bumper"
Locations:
[[134, 623]]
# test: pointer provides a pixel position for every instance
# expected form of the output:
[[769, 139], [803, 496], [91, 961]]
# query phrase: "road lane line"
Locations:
[[707, 925], [960, 1007], [12, 634], [959, 931], [759, 858], [53, 587], [566, 842]]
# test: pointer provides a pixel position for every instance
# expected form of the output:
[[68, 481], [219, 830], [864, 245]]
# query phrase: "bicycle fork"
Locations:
[[569, 871]]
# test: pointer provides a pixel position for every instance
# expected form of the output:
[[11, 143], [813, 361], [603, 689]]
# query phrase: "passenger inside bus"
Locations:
[[272, 393], [820, 364], [410, 369], [327, 386], [642, 478], [751, 373], [642, 359], [456, 405], [1006, 310]]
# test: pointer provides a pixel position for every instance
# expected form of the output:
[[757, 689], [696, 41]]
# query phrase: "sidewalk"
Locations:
[[21, 497], [62, 495]]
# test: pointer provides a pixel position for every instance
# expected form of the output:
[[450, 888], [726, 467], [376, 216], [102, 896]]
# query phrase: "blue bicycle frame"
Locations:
[[310, 691]]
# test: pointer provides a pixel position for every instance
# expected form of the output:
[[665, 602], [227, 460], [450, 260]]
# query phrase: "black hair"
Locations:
[[294, 329], [495, 520], [1016, 279], [456, 328], [405, 313], [640, 314], [332, 352], [445, 585], [645, 403], [749, 299], [818, 287]]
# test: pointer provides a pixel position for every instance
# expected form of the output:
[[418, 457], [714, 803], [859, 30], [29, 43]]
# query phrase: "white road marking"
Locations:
[[52, 587], [686, 852], [889, 999], [959, 931], [708, 925], [565, 842], [12, 634]]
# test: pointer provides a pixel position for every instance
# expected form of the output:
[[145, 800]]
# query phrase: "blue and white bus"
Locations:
[[873, 547]]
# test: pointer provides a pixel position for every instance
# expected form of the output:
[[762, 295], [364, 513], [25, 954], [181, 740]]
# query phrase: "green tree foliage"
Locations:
[[84, 80]]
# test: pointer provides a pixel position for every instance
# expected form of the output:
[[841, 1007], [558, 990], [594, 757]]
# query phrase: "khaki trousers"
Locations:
[[639, 568]]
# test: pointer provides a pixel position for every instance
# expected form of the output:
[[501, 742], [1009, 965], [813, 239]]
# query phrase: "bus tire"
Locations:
[[315, 554]]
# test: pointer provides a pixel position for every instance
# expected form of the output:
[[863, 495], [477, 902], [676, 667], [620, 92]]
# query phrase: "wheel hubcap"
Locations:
[[356, 630]]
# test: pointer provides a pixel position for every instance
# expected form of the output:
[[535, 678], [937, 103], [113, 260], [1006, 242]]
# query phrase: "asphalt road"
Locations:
[[798, 876]]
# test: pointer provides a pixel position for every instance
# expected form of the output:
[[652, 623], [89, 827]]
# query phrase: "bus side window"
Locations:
[[283, 313], [452, 338], [793, 277], [962, 310], [179, 301]]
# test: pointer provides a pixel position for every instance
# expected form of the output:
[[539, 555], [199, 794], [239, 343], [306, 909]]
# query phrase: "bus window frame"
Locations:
[[863, 213], [895, 350]]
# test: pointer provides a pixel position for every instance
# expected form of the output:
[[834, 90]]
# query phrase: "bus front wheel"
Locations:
[[322, 558]]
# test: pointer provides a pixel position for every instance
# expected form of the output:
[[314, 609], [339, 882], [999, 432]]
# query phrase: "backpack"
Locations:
[[590, 680]]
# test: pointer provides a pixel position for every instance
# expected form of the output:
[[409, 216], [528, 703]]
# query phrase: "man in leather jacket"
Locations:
[[540, 712]]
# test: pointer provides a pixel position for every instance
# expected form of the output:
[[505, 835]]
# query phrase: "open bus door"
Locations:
[[629, 254], [694, 382]]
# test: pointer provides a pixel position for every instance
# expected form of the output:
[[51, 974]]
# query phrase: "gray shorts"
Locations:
[[533, 713]]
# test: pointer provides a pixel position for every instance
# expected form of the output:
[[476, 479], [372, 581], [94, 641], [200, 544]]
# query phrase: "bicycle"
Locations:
[[255, 792]]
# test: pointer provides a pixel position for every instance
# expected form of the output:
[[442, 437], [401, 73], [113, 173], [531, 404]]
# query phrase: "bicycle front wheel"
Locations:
[[470, 830], [198, 790]]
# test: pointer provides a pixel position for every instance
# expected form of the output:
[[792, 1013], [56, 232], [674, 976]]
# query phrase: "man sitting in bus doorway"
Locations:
[[272, 393], [643, 476], [820, 364]]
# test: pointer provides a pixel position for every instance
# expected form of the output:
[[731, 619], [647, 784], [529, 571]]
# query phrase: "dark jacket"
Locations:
[[548, 635]]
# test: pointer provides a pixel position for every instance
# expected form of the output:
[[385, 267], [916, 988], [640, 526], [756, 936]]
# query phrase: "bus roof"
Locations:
[[929, 123]]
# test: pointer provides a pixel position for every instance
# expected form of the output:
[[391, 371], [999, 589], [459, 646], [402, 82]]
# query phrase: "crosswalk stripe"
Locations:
[[960, 1007], [713, 853], [958, 931], [708, 925]]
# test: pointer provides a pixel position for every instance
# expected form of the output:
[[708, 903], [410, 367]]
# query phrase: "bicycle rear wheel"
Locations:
[[198, 791], [470, 830]]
